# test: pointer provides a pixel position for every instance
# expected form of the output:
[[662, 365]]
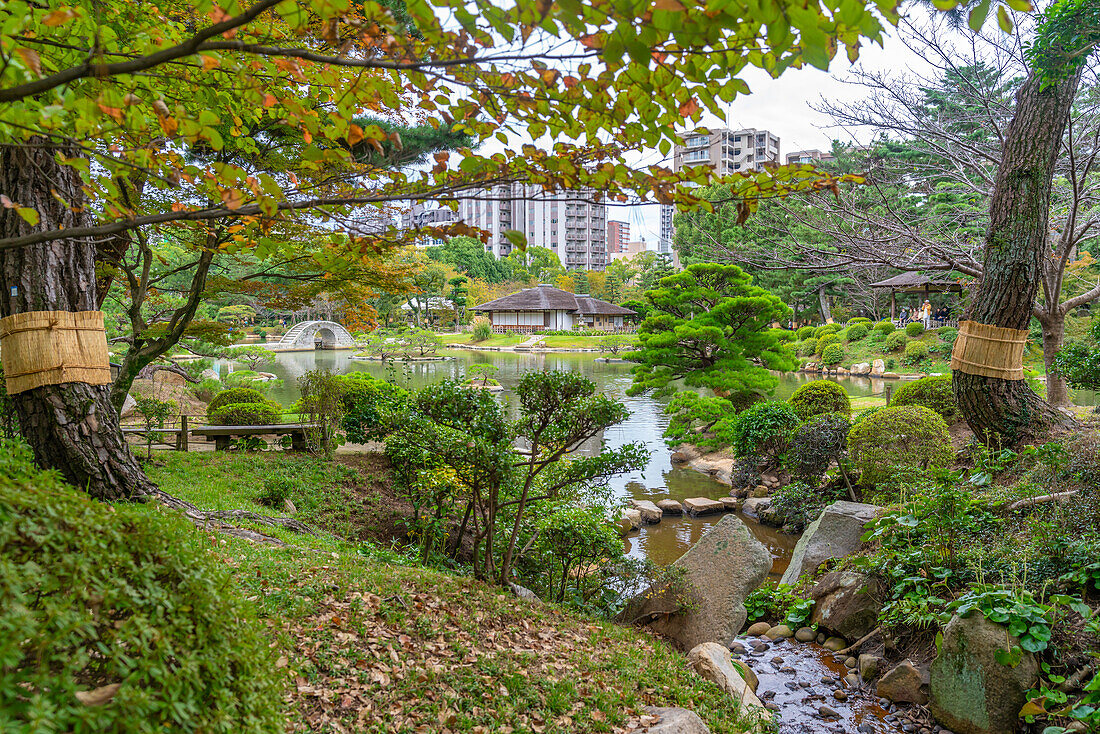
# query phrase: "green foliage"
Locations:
[[896, 341], [573, 549], [779, 604], [916, 352], [93, 595], [932, 392], [235, 395], [764, 429], [276, 490], [699, 420], [1025, 618], [818, 397], [251, 380], [817, 443], [245, 414], [481, 329], [1079, 362], [884, 327], [856, 332], [948, 334], [914, 329], [832, 355], [799, 503], [469, 256], [207, 389], [860, 320], [370, 406], [710, 327], [155, 412], [322, 405], [483, 372], [252, 356], [808, 347], [909, 438], [614, 343], [804, 333], [825, 340], [826, 329]]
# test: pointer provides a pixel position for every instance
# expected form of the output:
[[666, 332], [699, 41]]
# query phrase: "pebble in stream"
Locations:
[[805, 685]]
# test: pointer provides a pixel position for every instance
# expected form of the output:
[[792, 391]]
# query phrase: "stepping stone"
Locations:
[[696, 506], [651, 513], [732, 503], [671, 507]]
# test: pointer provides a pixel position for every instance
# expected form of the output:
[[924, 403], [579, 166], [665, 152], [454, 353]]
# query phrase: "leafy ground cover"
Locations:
[[371, 643]]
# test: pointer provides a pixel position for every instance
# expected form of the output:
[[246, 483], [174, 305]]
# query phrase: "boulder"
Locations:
[[804, 634], [209, 374], [761, 490], [847, 603], [522, 592], [681, 456], [891, 376], [836, 644], [861, 368], [721, 569], [129, 407], [779, 630], [696, 506], [758, 629], [673, 720], [756, 505], [903, 684], [732, 503], [972, 693], [712, 661], [834, 534], [671, 507], [878, 367], [651, 513], [869, 666], [630, 519]]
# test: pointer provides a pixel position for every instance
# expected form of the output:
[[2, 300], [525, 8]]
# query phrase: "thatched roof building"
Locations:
[[547, 308]]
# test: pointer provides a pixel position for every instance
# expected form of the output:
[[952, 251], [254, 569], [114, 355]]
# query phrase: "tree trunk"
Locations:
[[71, 427], [1054, 332], [1019, 209], [823, 304]]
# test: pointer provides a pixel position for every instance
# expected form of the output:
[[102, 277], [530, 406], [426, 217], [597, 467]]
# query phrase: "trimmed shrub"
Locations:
[[826, 340], [245, 414], [819, 397], [93, 595], [207, 389], [915, 351], [898, 439], [948, 334], [808, 347], [866, 414], [832, 355], [885, 327], [861, 320], [235, 395], [805, 333], [764, 429], [817, 443], [896, 341], [370, 406], [931, 392], [914, 329], [842, 335], [826, 329], [857, 332]]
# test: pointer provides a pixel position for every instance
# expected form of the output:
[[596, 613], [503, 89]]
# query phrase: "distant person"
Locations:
[[926, 313], [904, 314]]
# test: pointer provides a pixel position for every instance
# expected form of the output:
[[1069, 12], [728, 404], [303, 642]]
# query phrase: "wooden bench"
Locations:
[[158, 434], [222, 435]]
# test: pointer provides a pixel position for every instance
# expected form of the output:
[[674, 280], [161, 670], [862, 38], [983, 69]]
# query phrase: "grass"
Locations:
[[371, 643]]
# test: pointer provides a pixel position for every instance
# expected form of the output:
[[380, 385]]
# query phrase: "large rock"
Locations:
[[129, 407], [672, 720], [861, 368], [713, 662], [721, 569], [651, 513], [209, 374], [847, 603], [903, 684], [630, 519], [756, 505], [972, 693], [696, 506], [878, 368], [671, 507], [834, 534]]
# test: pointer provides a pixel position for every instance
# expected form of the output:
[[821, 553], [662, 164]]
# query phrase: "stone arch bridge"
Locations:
[[318, 334]]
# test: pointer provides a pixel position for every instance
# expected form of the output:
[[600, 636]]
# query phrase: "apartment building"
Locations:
[[618, 234], [808, 156], [727, 151], [571, 224]]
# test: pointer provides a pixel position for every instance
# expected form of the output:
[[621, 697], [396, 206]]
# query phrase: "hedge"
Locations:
[[235, 395], [245, 414], [819, 397], [932, 392], [901, 438]]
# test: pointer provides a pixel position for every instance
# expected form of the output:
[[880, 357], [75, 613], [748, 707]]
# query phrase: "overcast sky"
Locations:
[[783, 106]]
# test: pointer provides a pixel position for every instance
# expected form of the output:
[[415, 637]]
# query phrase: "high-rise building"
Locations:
[[571, 224], [618, 234], [727, 151], [808, 156], [422, 215]]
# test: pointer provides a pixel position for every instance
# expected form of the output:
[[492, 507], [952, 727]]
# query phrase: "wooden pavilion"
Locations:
[[915, 283]]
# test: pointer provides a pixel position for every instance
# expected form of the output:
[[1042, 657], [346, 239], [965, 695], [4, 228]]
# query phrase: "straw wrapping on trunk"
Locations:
[[989, 351], [53, 347]]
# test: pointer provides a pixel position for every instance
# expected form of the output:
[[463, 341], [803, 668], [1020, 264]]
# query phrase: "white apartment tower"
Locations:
[[727, 151], [571, 224]]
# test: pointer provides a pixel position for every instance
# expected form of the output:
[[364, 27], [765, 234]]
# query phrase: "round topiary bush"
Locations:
[[914, 329], [819, 397], [857, 332], [235, 395], [896, 341], [948, 334], [867, 414], [898, 439], [832, 355], [817, 443], [885, 327], [915, 352], [245, 414], [805, 333], [764, 429], [808, 347], [826, 329], [860, 320], [124, 608], [931, 392], [826, 340]]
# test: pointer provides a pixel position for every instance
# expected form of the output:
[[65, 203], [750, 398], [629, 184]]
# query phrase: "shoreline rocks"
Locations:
[[713, 662], [651, 513], [834, 534], [696, 506], [846, 603]]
